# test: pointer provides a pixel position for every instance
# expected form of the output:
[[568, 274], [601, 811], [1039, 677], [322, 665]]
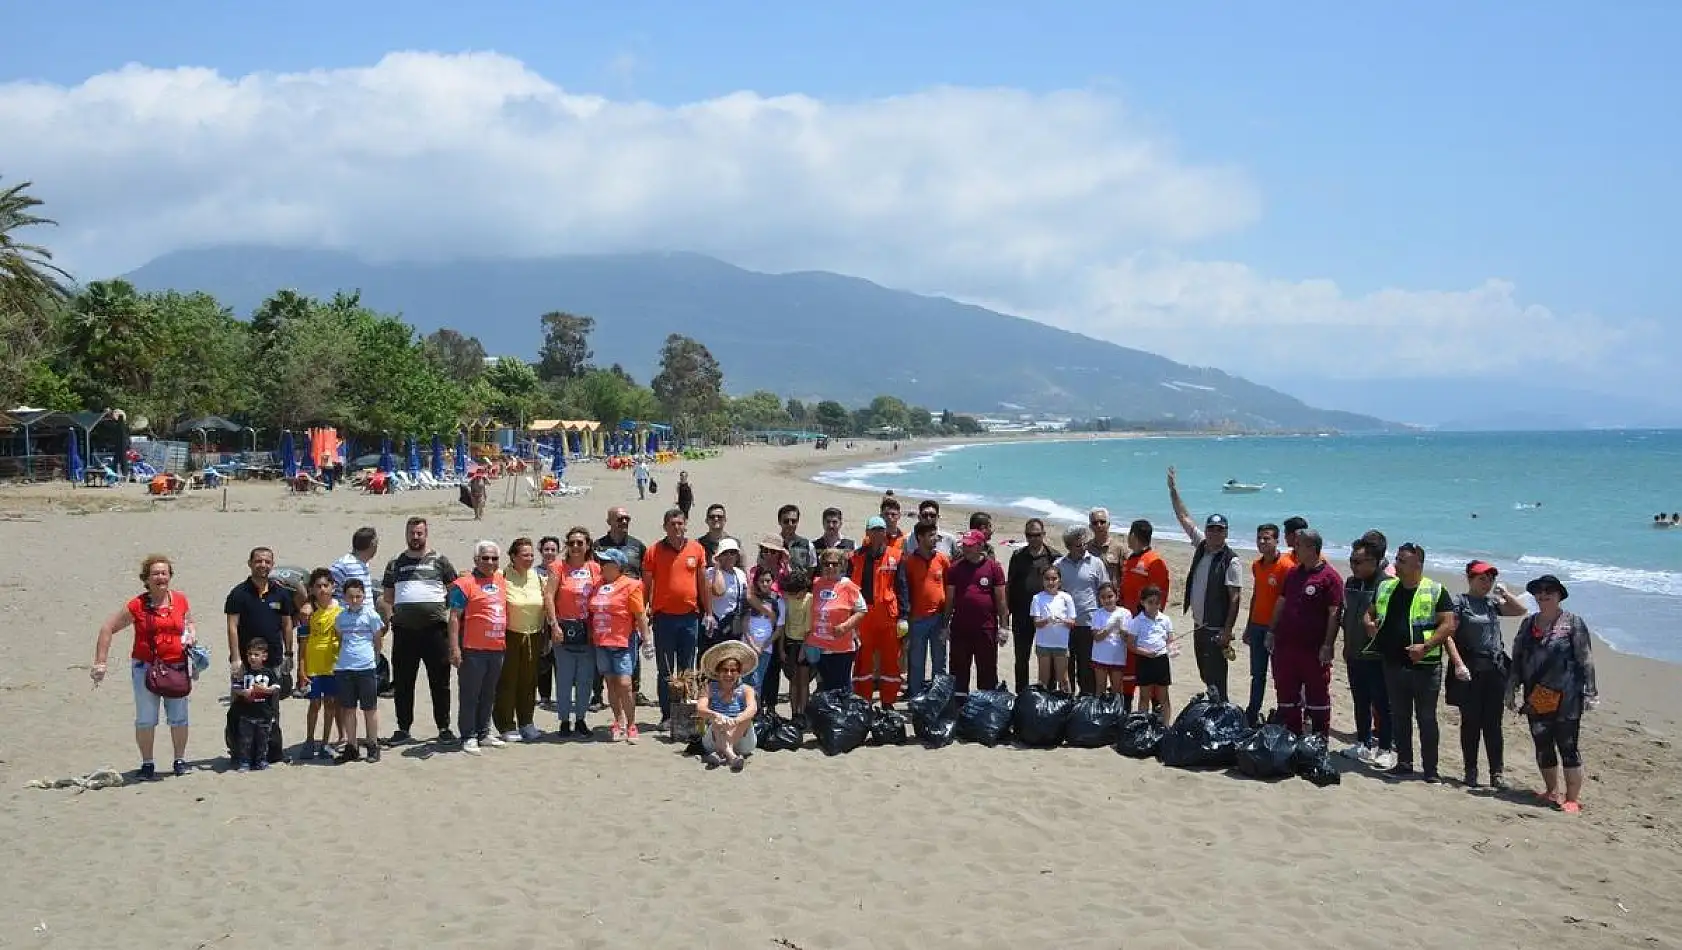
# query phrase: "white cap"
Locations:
[[727, 545]]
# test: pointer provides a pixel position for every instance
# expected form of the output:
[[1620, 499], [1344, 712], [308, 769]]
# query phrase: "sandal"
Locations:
[[1571, 808], [1552, 799], [738, 763]]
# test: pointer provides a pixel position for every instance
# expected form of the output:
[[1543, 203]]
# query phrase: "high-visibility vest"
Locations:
[[1422, 613]]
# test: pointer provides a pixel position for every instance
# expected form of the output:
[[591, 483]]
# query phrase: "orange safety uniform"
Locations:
[[877, 666]]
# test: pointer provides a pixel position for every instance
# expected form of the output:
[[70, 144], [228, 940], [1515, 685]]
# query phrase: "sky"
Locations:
[[1475, 193]]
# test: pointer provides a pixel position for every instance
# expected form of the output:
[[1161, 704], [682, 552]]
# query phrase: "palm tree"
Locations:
[[31, 290]]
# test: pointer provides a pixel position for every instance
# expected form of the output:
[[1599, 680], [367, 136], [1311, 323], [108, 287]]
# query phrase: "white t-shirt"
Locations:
[[762, 629], [1150, 636], [1060, 607], [1112, 650], [735, 584]]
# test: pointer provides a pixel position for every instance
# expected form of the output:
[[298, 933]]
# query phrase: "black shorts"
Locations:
[[358, 689], [1154, 671], [794, 654]]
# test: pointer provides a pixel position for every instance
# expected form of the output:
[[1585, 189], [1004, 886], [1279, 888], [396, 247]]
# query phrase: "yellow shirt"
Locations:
[[321, 648], [798, 623], [525, 601]]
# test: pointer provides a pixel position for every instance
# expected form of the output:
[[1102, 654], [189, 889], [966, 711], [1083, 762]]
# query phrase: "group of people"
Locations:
[[578, 616]]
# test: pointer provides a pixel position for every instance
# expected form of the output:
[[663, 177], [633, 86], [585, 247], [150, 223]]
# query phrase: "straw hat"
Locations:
[[728, 650]]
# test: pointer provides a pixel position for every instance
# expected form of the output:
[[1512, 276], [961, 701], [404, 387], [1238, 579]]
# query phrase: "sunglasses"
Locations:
[[578, 544], [715, 517], [1035, 535], [791, 521], [490, 557], [622, 519]]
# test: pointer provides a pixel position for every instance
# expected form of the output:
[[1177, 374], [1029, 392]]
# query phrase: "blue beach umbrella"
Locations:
[[308, 464], [557, 446], [288, 456], [461, 454], [653, 443], [387, 465], [437, 456], [413, 460], [73, 468]]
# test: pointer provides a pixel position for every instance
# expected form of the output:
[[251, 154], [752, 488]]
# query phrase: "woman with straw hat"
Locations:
[[728, 704]]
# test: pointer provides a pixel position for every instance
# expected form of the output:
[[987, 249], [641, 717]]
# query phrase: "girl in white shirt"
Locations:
[[764, 626], [1054, 614], [1149, 635], [1109, 640]]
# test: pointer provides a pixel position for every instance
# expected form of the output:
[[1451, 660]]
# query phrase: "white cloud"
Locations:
[[1060, 205]]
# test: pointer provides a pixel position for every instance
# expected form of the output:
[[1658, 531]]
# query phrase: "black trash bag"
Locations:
[[1312, 760], [773, 733], [933, 702], [1205, 735], [1040, 717], [653, 487], [940, 733], [888, 727], [695, 747], [1094, 721], [1140, 735], [839, 719], [986, 716], [382, 674], [1268, 753]]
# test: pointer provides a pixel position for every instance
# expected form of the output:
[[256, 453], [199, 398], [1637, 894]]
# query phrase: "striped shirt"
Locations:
[[351, 566], [417, 583]]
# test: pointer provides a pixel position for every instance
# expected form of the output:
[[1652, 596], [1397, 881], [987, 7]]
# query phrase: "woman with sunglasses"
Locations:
[[572, 579], [838, 609], [1552, 685]]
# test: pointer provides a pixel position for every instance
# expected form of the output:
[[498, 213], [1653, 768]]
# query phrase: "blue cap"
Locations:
[[612, 556], [875, 523]]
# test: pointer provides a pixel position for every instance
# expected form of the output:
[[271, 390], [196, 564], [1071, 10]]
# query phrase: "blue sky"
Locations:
[[1422, 146]]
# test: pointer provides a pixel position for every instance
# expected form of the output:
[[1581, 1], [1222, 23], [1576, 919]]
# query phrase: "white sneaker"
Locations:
[[530, 733], [1364, 754], [1357, 752], [511, 736], [1384, 760], [496, 742], [471, 746]]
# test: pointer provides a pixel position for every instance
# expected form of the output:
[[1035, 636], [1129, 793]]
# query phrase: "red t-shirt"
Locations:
[[973, 607], [1309, 600], [163, 626]]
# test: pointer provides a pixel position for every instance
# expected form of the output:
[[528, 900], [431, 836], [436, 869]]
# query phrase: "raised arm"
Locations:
[[1188, 524]]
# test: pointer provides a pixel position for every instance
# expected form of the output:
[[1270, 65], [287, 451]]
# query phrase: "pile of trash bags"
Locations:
[[1205, 734]]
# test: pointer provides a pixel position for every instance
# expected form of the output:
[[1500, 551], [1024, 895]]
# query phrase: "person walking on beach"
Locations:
[[516, 688], [572, 579], [924, 569], [364, 544], [1267, 572], [875, 569], [1374, 739], [1026, 573], [641, 475], [685, 494], [1481, 695], [1082, 574], [163, 634], [1302, 637], [1142, 568], [1213, 589], [838, 609], [618, 538], [832, 539], [1552, 685], [259, 609], [975, 591], [413, 595], [1410, 624], [478, 620], [802, 556], [680, 599], [945, 542]]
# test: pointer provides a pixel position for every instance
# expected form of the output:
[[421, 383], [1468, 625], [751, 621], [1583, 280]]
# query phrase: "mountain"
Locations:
[[809, 335], [1525, 402]]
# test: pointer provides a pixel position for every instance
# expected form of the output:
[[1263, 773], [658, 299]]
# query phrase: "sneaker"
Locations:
[[180, 767], [530, 733], [644, 700], [400, 737], [471, 747], [1571, 808], [1358, 752], [664, 726], [148, 772], [564, 730], [495, 741], [324, 751], [259, 765], [513, 735], [446, 736], [1471, 780], [1399, 769], [1384, 759], [243, 768], [1498, 782], [631, 734], [1432, 778], [596, 705], [373, 752], [347, 754], [618, 733], [582, 728]]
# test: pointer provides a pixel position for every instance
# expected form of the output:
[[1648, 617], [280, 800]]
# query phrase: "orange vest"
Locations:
[[573, 588], [884, 593], [614, 609], [484, 621], [833, 602], [926, 579]]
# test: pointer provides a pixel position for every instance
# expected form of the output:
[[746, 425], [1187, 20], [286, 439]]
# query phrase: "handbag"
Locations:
[[1543, 701], [168, 680]]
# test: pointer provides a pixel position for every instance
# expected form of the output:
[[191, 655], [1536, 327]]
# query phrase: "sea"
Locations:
[[1578, 505]]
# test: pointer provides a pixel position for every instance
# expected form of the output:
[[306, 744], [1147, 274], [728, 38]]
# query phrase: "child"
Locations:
[[764, 626], [1149, 634], [1109, 641], [315, 674], [797, 623], [256, 699], [361, 640], [1053, 611]]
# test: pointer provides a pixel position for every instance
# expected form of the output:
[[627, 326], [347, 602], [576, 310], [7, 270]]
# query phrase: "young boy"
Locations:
[[315, 674], [1149, 634], [361, 639], [255, 694]]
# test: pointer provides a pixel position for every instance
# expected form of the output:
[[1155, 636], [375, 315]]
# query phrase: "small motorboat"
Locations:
[[1235, 487]]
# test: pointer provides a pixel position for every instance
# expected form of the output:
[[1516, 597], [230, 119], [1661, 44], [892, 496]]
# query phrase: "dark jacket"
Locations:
[[1217, 599], [1023, 577]]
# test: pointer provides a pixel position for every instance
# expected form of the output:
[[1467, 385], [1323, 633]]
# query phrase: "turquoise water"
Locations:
[[1598, 492]]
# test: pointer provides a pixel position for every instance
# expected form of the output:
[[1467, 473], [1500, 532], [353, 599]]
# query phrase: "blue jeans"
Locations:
[[1256, 636], [575, 667], [1373, 723], [675, 639], [928, 643]]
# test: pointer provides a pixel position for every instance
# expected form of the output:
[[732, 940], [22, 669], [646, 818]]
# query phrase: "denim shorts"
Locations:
[[616, 661], [324, 686], [358, 689], [146, 703]]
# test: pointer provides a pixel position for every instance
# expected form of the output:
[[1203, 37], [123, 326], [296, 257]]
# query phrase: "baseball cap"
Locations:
[[1215, 521], [973, 539], [1480, 567], [611, 556], [874, 523]]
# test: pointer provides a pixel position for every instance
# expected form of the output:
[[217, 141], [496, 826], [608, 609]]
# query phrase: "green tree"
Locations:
[[306, 371], [690, 384], [757, 410], [112, 344], [966, 425], [460, 357], [832, 418], [204, 363], [890, 412], [32, 292], [566, 346], [45, 389], [274, 317], [515, 388], [606, 397], [393, 387], [796, 411]]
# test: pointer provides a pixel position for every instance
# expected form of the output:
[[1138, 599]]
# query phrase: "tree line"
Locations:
[[299, 361]]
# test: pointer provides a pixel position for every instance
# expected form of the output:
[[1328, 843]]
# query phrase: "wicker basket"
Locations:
[[685, 687]]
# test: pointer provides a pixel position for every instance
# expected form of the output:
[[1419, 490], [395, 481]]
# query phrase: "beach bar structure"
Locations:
[[37, 441], [582, 437]]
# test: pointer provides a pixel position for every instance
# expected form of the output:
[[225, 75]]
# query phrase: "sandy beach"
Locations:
[[598, 845]]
